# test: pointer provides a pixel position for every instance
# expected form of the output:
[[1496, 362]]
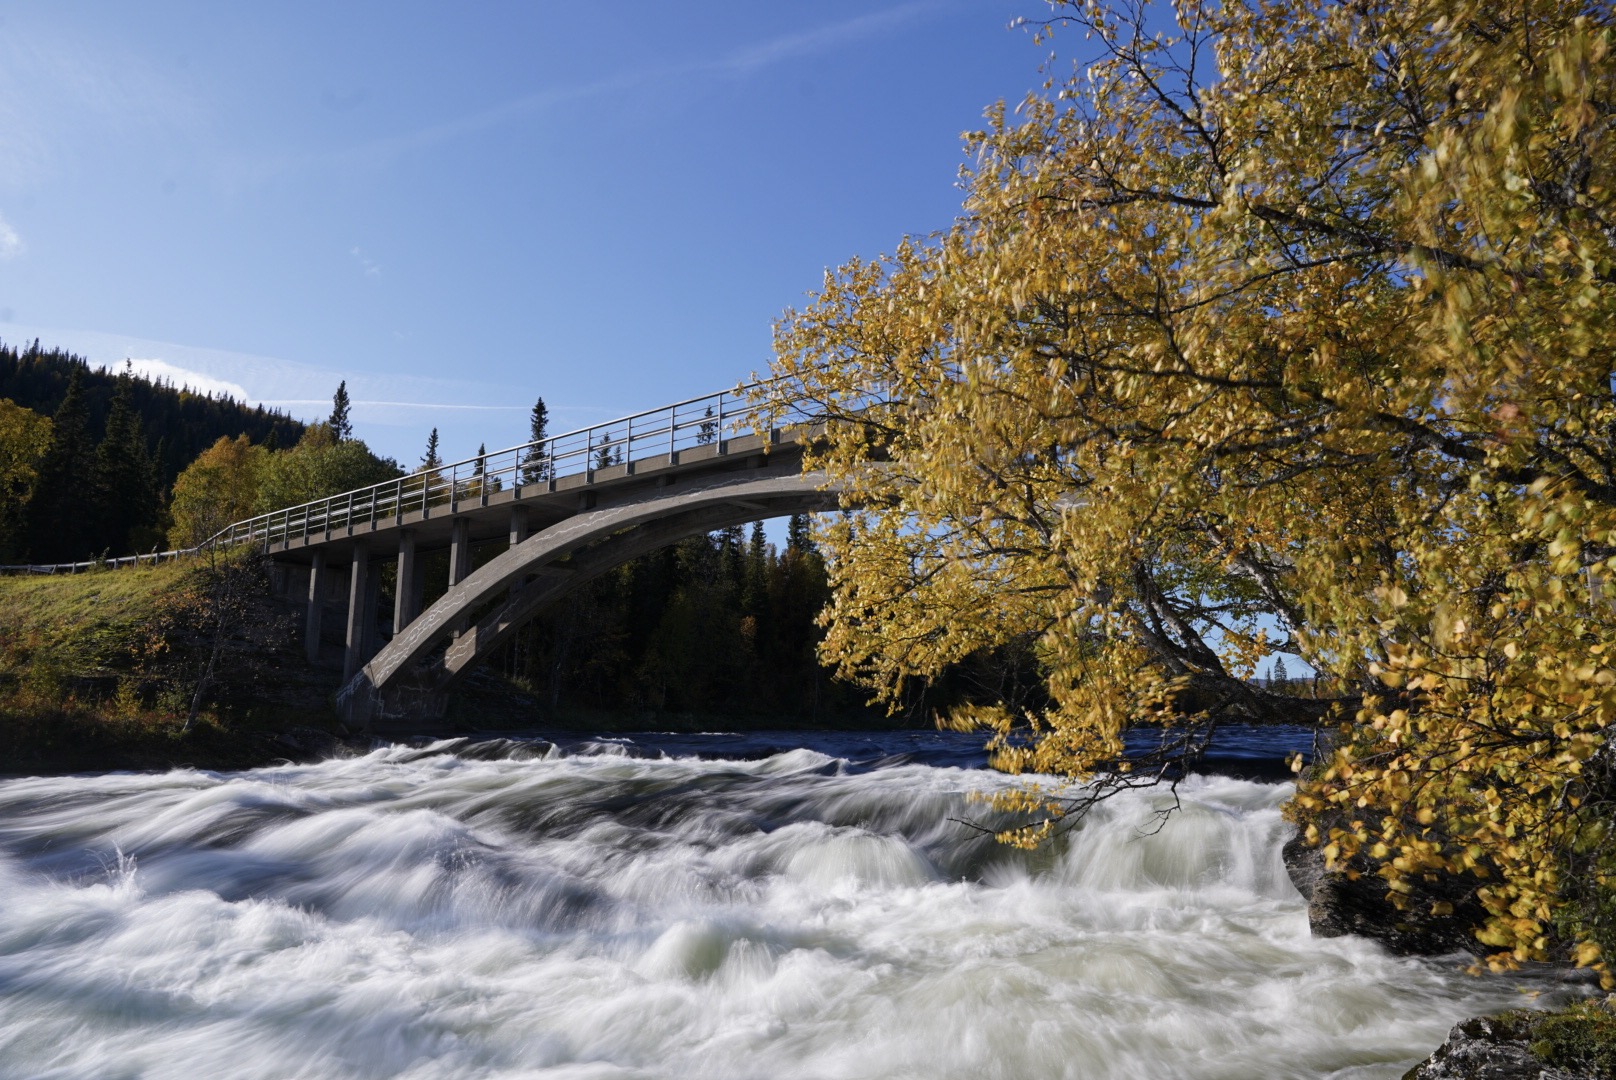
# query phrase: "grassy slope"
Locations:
[[77, 692], [84, 624]]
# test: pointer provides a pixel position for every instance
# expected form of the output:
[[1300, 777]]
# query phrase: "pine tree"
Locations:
[[340, 425], [732, 546], [431, 460], [536, 463], [1278, 677], [60, 530], [798, 537], [479, 469], [755, 596], [125, 485]]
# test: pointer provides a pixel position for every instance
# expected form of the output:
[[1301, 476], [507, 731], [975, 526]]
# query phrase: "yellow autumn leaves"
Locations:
[[1292, 332]]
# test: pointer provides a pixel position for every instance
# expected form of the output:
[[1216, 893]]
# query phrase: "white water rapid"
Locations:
[[477, 912]]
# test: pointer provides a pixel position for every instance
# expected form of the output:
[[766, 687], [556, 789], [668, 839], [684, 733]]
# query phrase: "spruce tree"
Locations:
[[125, 485], [431, 460], [536, 463], [60, 515], [798, 538], [341, 426], [755, 595], [1278, 677]]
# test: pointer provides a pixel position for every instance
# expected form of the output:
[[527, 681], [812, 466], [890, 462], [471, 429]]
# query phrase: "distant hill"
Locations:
[[179, 424]]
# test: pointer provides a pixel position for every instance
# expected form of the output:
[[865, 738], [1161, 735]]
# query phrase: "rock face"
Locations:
[[1338, 904], [1495, 1048]]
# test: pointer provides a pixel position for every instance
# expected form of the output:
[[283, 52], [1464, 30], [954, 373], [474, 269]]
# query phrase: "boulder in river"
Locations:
[[1339, 904], [1578, 1043]]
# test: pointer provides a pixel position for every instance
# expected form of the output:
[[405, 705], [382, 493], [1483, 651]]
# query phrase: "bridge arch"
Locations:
[[410, 679]]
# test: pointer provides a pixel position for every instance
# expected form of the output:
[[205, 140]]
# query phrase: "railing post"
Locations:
[[720, 432], [673, 432], [628, 447]]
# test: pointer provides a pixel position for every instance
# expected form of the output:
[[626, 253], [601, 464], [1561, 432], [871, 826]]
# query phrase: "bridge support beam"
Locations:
[[311, 623], [518, 525], [459, 551], [459, 559], [407, 593], [361, 613], [406, 686]]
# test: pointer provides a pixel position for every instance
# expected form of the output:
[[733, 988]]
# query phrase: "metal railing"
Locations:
[[151, 558], [664, 433]]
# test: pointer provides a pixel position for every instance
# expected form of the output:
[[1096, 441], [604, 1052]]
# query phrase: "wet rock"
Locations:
[[312, 744], [1507, 1047], [1339, 904]]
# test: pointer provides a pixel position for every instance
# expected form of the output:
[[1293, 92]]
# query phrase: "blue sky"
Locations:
[[459, 207]]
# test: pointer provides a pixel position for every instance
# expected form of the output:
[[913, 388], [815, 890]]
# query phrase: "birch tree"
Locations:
[[1288, 330]]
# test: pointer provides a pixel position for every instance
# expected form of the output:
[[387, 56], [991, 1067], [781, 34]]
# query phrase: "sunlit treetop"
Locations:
[[1290, 329]]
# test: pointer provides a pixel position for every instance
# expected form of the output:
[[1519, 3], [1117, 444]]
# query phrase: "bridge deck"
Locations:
[[487, 509]]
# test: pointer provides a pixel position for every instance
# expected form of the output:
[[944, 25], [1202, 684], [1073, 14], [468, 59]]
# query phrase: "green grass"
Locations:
[[1582, 1037], [80, 625], [98, 671]]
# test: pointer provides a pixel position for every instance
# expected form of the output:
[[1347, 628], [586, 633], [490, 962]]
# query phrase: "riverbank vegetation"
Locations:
[[87, 457], [1279, 328], [184, 663], [723, 625], [199, 661]]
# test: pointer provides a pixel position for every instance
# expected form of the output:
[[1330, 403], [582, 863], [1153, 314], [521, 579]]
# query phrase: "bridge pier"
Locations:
[[361, 613], [459, 559], [407, 593], [459, 551], [406, 686], [311, 622]]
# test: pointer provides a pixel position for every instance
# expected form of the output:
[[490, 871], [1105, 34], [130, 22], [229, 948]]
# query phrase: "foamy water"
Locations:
[[429, 915]]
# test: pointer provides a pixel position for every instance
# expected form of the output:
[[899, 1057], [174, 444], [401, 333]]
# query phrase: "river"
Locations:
[[710, 907]]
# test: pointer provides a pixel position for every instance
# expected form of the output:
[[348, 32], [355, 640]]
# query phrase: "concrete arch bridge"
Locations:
[[564, 511]]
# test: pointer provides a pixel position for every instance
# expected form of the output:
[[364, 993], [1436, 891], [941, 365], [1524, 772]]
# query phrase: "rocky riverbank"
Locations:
[[1575, 1043]]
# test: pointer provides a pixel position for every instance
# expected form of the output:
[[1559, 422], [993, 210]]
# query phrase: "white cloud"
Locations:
[[365, 262], [64, 96], [741, 62], [392, 411], [820, 39], [155, 369], [10, 243]]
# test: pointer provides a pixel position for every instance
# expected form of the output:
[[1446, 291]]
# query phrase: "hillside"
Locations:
[[178, 423]]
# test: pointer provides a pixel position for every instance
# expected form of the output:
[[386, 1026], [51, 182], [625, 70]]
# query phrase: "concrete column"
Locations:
[[407, 594], [360, 598], [311, 625], [459, 551], [459, 561], [371, 640], [518, 524]]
